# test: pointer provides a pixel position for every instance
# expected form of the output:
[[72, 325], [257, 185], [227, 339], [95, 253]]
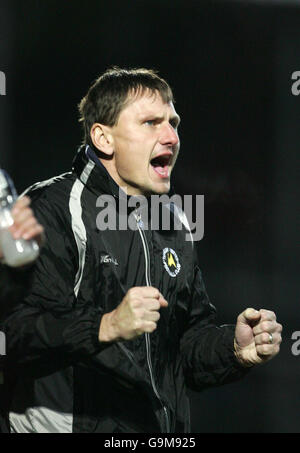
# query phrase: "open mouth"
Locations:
[[160, 164]]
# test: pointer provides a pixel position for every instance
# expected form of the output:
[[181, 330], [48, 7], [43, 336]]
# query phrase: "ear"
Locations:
[[102, 139]]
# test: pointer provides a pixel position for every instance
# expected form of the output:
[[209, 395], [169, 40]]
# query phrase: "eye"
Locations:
[[150, 122]]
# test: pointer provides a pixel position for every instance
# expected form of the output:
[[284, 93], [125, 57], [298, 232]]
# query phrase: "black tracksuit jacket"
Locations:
[[63, 379], [14, 285]]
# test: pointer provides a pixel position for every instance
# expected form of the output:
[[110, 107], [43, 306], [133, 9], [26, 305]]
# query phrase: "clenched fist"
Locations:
[[257, 336], [137, 313]]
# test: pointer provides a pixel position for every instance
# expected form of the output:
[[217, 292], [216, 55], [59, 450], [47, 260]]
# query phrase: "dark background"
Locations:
[[230, 65]]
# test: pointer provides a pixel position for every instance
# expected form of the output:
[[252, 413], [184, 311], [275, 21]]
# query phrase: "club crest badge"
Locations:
[[171, 262]]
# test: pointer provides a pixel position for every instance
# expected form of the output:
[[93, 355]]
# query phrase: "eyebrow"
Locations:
[[173, 119]]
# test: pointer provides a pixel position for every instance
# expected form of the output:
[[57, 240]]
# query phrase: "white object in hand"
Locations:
[[16, 252]]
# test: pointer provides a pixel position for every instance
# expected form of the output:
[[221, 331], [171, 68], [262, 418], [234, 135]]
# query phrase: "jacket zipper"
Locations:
[[147, 335]]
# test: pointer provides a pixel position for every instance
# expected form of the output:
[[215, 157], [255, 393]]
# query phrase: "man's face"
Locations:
[[146, 145]]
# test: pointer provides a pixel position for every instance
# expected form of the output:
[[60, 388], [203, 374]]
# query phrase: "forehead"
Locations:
[[147, 103]]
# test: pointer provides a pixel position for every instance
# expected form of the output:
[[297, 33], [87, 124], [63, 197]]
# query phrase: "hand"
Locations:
[[137, 313], [25, 224], [257, 336]]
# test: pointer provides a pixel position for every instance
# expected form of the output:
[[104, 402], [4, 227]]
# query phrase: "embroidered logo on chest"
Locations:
[[171, 262]]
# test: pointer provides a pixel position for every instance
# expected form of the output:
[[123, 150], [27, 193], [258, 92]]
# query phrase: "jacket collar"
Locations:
[[92, 173]]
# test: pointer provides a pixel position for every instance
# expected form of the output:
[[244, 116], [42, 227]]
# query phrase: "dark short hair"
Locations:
[[107, 96]]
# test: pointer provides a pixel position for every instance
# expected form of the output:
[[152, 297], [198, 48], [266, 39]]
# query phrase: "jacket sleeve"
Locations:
[[14, 286], [48, 323], [207, 350]]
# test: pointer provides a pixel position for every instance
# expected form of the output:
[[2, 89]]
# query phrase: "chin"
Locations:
[[164, 189], [161, 188]]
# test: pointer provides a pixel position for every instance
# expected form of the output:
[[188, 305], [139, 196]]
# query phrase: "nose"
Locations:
[[168, 135]]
